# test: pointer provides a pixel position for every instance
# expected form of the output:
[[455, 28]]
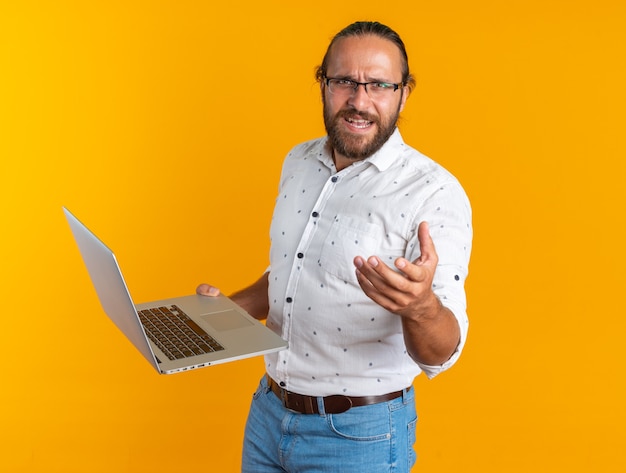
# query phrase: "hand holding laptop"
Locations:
[[253, 299], [207, 290], [181, 333]]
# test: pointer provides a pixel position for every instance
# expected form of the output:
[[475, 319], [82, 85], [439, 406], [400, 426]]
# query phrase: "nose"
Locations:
[[359, 97]]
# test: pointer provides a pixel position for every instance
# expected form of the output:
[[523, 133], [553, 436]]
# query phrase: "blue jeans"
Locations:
[[370, 439]]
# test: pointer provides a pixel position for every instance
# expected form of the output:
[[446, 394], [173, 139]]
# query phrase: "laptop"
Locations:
[[178, 334]]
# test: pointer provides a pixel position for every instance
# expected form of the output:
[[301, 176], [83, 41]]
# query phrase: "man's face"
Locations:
[[358, 125]]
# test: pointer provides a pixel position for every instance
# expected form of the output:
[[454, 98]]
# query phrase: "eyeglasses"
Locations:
[[348, 87]]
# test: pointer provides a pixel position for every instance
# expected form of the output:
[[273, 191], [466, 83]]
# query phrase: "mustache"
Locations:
[[357, 114]]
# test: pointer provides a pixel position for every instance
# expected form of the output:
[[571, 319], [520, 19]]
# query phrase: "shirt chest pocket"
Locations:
[[348, 237]]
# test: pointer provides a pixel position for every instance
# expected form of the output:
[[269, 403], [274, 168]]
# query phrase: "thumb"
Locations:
[[207, 290], [427, 247]]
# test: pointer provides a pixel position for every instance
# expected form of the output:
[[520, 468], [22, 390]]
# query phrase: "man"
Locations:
[[367, 293]]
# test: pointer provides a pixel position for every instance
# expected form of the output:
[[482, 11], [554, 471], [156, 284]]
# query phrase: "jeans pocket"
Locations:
[[262, 388], [369, 423], [412, 455]]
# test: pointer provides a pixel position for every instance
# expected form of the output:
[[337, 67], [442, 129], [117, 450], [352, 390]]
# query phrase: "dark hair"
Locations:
[[364, 28]]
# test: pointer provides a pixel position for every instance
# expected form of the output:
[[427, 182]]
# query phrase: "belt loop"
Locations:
[[405, 395], [321, 408]]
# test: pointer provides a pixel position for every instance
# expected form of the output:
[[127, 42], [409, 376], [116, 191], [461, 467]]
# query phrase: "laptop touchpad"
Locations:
[[227, 320]]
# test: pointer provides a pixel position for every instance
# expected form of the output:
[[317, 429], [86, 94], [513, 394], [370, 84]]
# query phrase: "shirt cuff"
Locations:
[[433, 370]]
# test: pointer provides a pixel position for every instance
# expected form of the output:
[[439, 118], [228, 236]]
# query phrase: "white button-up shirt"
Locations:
[[340, 341]]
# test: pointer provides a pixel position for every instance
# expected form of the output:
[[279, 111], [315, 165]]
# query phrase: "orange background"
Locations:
[[163, 126]]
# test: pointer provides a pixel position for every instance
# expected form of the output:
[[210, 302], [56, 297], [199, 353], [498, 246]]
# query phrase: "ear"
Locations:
[[406, 91]]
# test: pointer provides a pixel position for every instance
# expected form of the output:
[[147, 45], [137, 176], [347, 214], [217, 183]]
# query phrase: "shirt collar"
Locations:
[[382, 159], [387, 155]]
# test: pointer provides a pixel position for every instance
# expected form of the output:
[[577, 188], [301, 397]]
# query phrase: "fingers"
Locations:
[[375, 286], [375, 270], [374, 275], [427, 247], [397, 290], [425, 265], [207, 290]]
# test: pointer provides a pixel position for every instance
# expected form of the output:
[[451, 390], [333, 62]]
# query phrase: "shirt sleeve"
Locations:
[[449, 218]]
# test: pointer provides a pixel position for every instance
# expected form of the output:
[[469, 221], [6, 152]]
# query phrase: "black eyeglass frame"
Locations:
[[364, 84]]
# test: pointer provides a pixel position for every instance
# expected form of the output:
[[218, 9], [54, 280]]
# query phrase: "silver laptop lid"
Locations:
[[110, 286]]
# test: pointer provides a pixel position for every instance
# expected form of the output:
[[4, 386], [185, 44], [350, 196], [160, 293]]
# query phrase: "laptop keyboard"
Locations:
[[176, 334]]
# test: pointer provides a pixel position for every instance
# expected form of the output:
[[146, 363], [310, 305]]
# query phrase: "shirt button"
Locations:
[[289, 299], [300, 255], [334, 179], [282, 384], [315, 214]]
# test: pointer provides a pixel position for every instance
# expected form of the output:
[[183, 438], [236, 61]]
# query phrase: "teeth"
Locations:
[[359, 123]]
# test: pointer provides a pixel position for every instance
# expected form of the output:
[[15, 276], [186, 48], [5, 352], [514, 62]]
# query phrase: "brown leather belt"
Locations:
[[332, 404]]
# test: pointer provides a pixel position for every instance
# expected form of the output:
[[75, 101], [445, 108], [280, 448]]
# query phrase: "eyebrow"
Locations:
[[368, 79]]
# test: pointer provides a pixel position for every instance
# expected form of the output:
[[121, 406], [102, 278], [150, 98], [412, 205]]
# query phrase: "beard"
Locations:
[[358, 147]]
